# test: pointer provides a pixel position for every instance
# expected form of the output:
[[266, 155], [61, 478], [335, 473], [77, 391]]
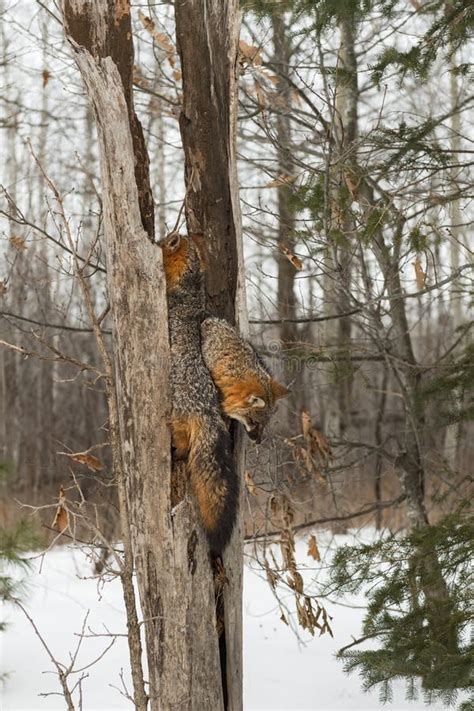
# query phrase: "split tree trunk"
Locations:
[[207, 33], [173, 570]]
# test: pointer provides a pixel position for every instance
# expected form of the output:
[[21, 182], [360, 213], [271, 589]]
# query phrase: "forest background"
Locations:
[[355, 149]]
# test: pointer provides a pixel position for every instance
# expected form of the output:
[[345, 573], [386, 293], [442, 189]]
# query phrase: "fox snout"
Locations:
[[255, 433]]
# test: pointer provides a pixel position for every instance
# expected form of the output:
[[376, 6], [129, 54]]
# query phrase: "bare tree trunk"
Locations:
[[208, 128], [455, 302], [173, 569], [341, 223], [286, 219], [8, 360], [412, 459], [44, 391]]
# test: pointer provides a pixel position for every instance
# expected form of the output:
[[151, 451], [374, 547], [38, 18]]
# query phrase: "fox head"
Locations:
[[247, 389], [183, 262], [252, 401]]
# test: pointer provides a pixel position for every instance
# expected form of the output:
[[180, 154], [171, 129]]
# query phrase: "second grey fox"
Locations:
[[247, 389]]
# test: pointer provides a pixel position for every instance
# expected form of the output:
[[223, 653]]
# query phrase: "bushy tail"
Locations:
[[214, 480]]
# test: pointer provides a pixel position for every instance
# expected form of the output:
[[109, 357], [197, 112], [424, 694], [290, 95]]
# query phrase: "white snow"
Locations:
[[281, 672]]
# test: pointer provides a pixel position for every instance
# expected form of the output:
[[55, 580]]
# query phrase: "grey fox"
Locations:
[[200, 348], [199, 431]]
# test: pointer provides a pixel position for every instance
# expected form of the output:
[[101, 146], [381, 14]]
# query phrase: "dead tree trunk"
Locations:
[[207, 34], [173, 570]]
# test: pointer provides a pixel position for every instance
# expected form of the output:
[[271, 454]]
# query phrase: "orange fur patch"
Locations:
[[236, 393], [181, 434], [210, 493], [210, 499], [209, 506], [175, 263]]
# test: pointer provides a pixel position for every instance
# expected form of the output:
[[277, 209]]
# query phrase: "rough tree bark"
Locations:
[[208, 128], [173, 569]]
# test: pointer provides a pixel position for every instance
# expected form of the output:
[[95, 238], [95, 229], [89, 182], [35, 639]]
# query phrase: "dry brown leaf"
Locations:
[[249, 54], [317, 451], [177, 74], [306, 423], [3, 288], [61, 519], [316, 441], [140, 80], [272, 577], [165, 43], [351, 186], [301, 612], [261, 100], [295, 96], [295, 581], [19, 243], [91, 462], [45, 75], [274, 504], [275, 80], [160, 38], [321, 445], [313, 549], [292, 258], [288, 513], [282, 179], [419, 273], [283, 617], [250, 484], [436, 198]]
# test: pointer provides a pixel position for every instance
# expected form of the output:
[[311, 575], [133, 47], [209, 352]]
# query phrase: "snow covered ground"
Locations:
[[280, 672]]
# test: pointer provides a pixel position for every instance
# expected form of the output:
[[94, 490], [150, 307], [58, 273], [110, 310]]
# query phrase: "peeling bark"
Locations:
[[207, 122]]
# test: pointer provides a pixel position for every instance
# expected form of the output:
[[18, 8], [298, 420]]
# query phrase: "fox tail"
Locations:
[[214, 480]]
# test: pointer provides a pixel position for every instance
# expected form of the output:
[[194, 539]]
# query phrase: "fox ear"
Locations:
[[172, 241], [256, 401], [279, 390]]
